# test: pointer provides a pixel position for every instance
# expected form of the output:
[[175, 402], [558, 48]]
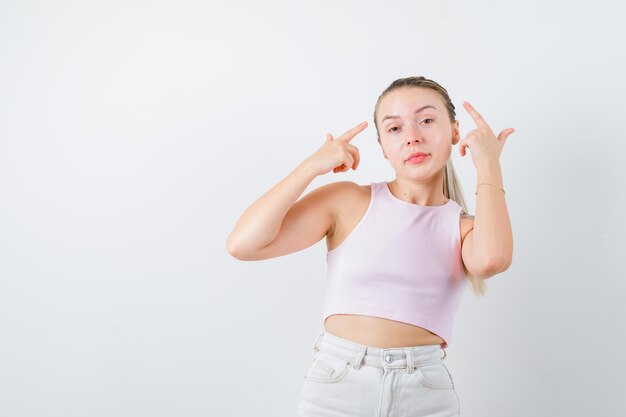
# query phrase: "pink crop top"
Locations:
[[401, 262]]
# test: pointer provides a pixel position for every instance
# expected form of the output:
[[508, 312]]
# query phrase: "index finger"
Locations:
[[478, 119], [350, 134]]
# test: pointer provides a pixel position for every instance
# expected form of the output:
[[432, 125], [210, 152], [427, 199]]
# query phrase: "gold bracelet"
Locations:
[[488, 184]]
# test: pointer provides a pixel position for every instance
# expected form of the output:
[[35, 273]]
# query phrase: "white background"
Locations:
[[133, 134]]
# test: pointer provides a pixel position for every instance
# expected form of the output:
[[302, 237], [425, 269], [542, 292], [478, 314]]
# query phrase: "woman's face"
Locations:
[[411, 130]]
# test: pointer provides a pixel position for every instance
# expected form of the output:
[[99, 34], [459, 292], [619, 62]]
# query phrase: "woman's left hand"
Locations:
[[482, 142]]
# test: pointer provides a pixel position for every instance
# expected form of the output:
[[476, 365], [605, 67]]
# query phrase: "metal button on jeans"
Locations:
[[388, 358]]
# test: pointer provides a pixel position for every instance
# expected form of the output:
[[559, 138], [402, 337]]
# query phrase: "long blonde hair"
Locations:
[[451, 185]]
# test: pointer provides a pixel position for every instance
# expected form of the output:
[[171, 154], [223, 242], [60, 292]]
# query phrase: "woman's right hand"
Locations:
[[337, 154]]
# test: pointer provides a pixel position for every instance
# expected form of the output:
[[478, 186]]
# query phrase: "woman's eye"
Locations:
[[395, 127]]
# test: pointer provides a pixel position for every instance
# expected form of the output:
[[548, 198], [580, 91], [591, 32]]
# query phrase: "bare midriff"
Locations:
[[379, 332]]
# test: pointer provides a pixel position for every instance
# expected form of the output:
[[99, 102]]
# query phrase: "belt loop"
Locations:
[[444, 354], [316, 342], [358, 360], [409, 360]]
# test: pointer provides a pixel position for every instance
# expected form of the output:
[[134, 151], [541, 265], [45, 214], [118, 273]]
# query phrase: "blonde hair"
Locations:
[[451, 185]]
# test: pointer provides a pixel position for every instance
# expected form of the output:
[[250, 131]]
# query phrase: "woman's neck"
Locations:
[[424, 194]]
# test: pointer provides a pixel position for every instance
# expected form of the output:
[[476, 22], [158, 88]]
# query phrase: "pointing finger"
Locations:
[[350, 134], [478, 119]]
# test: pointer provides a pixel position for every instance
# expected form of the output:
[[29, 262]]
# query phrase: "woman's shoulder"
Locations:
[[349, 203], [348, 196], [359, 193], [340, 188]]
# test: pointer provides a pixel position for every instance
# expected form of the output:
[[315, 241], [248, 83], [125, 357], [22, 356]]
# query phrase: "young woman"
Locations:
[[399, 253]]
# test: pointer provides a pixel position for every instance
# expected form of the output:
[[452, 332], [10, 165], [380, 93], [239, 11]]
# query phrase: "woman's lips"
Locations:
[[417, 159]]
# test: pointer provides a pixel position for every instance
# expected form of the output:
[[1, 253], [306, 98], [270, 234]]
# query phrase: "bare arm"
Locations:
[[488, 247], [260, 223], [275, 224]]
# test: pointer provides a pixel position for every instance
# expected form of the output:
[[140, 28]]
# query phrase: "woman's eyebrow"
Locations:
[[415, 112]]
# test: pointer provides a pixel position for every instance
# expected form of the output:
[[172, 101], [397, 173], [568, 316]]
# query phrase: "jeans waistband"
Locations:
[[357, 355]]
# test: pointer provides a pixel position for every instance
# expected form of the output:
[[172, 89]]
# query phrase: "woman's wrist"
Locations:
[[490, 174]]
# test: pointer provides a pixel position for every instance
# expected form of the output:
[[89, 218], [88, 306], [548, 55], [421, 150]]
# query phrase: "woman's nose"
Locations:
[[413, 135]]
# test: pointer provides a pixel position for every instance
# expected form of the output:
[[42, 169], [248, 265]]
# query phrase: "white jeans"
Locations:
[[347, 379]]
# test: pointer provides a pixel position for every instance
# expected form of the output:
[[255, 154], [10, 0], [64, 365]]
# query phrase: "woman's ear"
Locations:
[[456, 133]]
